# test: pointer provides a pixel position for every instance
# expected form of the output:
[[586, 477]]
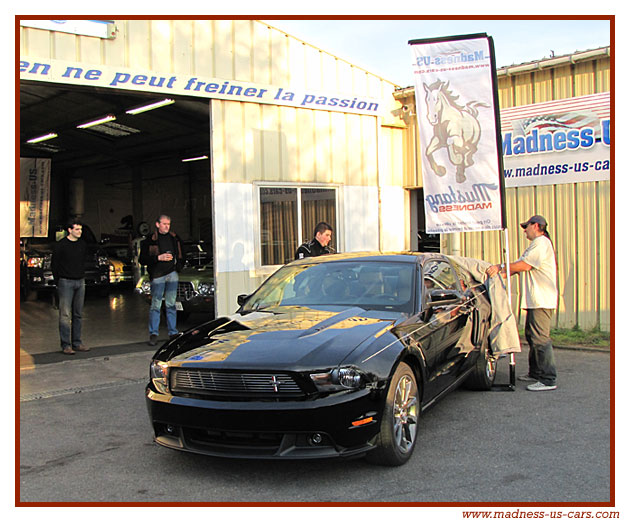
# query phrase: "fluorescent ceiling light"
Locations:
[[45, 137], [115, 130], [151, 106], [104, 119], [196, 158]]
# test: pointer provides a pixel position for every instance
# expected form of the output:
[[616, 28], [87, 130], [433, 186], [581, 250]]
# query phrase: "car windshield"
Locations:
[[370, 285], [196, 254]]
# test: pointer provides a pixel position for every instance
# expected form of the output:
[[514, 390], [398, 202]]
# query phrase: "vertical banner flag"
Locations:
[[458, 113], [34, 196]]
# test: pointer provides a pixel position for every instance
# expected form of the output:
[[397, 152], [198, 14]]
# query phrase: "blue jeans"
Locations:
[[164, 287], [542, 363], [71, 296]]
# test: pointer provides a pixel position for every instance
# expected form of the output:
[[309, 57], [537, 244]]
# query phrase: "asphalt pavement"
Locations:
[[85, 435]]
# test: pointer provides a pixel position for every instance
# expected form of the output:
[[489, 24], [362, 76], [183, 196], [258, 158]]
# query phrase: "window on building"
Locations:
[[288, 216]]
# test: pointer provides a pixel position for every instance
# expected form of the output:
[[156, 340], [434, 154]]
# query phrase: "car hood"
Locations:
[[197, 272], [295, 337], [39, 250], [48, 249]]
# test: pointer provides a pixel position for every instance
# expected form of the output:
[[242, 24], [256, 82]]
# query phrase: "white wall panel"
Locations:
[[360, 212], [394, 221], [234, 227]]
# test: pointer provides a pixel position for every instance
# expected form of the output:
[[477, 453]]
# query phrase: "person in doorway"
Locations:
[[161, 252], [540, 297], [317, 246], [68, 268]]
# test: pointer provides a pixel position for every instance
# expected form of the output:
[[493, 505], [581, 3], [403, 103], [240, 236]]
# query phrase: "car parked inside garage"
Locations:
[[120, 263], [195, 290], [35, 264], [333, 356]]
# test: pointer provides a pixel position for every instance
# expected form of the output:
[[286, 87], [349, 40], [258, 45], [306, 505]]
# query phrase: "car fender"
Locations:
[[379, 357]]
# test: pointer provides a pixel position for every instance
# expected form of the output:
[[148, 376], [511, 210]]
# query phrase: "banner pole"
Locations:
[[509, 292]]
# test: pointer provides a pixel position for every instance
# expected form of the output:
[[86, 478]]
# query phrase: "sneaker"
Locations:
[[173, 336], [68, 350], [527, 378], [152, 340], [81, 348], [539, 386]]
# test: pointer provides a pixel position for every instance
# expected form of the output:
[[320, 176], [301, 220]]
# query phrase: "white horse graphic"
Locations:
[[454, 127]]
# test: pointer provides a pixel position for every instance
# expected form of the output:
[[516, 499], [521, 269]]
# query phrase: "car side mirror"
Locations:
[[443, 297], [241, 299]]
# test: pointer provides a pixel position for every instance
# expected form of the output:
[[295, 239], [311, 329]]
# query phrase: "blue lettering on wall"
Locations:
[[556, 141]]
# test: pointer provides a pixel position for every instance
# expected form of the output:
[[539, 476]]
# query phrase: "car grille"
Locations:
[[185, 291], [210, 382]]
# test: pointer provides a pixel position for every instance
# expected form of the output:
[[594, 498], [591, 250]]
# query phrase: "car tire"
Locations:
[[484, 372], [397, 439]]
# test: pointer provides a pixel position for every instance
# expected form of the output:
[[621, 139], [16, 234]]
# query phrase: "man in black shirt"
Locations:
[[68, 268], [161, 252], [317, 246]]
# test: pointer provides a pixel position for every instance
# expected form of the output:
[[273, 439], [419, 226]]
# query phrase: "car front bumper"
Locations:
[[197, 303], [43, 279], [300, 429]]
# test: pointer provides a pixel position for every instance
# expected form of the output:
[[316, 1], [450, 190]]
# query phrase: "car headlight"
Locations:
[[159, 376], [345, 378], [205, 288], [35, 262], [144, 287]]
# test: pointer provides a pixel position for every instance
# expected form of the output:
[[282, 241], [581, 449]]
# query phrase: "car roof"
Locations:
[[398, 257]]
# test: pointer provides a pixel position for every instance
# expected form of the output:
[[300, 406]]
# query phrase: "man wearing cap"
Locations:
[[538, 266]]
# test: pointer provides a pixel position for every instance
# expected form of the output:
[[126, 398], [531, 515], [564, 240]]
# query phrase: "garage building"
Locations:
[[282, 135]]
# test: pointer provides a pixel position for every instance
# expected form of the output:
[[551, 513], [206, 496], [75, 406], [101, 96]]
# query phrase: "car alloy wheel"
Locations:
[[484, 371], [491, 367], [399, 425], [405, 413]]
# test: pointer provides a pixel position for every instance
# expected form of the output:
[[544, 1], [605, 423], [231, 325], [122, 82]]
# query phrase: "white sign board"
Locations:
[[562, 141]]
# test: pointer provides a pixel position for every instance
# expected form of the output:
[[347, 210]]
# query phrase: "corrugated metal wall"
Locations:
[[254, 142], [578, 214]]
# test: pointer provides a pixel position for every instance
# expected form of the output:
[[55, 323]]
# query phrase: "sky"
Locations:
[[381, 46]]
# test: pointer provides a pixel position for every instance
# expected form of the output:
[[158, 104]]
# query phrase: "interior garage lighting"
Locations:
[[151, 106], [45, 137], [196, 158], [104, 119]]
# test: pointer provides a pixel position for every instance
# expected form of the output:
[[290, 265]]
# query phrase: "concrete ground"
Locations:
[[114, 328], [112, 324]]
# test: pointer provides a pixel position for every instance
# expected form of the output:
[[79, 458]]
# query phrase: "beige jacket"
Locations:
[[504, 336]]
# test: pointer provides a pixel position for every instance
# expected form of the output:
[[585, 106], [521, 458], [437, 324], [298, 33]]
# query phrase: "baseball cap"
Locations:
[[535, 219]]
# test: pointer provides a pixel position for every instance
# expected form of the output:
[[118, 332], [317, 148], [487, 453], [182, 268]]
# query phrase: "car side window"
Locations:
[[440, 275]]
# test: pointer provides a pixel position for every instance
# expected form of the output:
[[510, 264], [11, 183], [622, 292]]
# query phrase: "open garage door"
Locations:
[[129, 166], [117, 175]]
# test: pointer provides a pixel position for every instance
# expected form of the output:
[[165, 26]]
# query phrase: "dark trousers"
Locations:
[[71, 297], [542, 364]]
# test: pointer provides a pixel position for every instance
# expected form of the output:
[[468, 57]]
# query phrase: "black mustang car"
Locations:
[[332, 356]]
